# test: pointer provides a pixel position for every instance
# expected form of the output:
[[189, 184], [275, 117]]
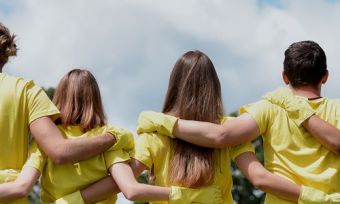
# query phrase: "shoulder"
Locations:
[[259, 106], [153, 140], [17, 82], [225, 119]]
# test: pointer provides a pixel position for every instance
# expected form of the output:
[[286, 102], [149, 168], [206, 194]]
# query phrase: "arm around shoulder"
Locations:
[[61, 150]]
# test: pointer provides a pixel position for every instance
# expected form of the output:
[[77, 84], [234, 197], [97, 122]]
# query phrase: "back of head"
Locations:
[[8, 47], [194, 93], [78, 99], [305, 64]]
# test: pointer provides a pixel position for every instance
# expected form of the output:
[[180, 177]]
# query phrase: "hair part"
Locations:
[[79, 101], [305, 64], [194, 93], [8, 47]]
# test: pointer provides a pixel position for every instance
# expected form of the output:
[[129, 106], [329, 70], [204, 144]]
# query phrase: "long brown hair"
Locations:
[[7, 45], [78, 99], [194, 93]]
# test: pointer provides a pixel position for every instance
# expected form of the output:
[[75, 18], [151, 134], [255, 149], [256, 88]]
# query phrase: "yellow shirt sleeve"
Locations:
[[37, 158], [112, 157], [262, 113], [240, 149], [143, 150], [124, 140], [39, 104]]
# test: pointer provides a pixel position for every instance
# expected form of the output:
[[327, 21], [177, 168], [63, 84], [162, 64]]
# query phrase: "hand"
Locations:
[[124, 139], [296, 107], [313, 196], [204, 195], [150, 121]]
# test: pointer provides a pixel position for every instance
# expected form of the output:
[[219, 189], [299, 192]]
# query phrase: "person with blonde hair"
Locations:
[[194, 93], [24, 109], [82, 115]]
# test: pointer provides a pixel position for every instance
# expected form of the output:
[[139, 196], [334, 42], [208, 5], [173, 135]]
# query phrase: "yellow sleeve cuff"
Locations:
[[71, 199], [150, 121], [112, 157]]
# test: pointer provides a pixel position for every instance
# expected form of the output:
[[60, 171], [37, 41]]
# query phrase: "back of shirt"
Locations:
[[291, 152], [155, 152], [21, 102]]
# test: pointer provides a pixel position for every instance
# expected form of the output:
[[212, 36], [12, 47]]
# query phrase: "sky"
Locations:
[[131, 46]]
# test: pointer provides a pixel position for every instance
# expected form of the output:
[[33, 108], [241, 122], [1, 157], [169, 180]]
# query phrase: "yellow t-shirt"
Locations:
[[21, 102], [291, 152], [153, 150], [60, 180]]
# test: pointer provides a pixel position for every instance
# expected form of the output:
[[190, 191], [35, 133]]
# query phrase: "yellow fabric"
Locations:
[[21, 103], [181, 195], [296, 107], [70, 198], [154, 150], [60, 180], [291, 152], [150, 121], [313, 196]]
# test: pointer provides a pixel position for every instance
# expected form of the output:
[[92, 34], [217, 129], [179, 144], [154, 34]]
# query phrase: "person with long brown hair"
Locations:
[[82, 115], [24, 109], [194, 93]]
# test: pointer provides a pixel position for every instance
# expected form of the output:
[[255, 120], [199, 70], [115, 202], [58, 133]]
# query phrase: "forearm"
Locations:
[[61, 150], [100, 190], [234, 132], [325, 133], [265, 180], [198, 133], [21, 187], [11, 191], [144, 192], [132, 190], [75, 150], [280, 187]]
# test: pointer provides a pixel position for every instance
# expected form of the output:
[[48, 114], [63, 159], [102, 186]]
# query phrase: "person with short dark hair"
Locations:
[[289, 150]]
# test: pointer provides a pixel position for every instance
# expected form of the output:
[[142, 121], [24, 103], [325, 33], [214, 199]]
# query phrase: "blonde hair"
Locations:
[[194, 93], [78, 99], [8, 47]]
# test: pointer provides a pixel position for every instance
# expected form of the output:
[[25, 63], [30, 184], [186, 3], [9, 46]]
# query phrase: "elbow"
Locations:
[[58, 156], [22, 190], [260, 180], [219, 139], [336, 149], [132, 193]]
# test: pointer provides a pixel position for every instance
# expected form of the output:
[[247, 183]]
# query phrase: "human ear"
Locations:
[[285, 78], [325, 77]]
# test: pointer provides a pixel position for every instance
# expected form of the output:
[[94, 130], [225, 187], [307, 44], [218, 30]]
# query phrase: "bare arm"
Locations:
[[100, 190], [21, 187], [240, 130], [61, 150], [325, 133], [266, 181], [104, 188], [124, 176]]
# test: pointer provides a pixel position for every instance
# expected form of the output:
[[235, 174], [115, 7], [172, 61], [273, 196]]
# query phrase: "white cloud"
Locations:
[[132, 45]]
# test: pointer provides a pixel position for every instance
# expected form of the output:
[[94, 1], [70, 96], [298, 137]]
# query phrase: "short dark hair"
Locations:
[[305, 63], [8, 47]]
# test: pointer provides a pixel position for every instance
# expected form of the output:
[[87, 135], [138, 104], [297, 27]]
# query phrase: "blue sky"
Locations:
[[131, 46]]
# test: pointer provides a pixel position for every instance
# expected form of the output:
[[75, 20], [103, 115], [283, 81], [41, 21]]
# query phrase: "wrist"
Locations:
[[109, 138]]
